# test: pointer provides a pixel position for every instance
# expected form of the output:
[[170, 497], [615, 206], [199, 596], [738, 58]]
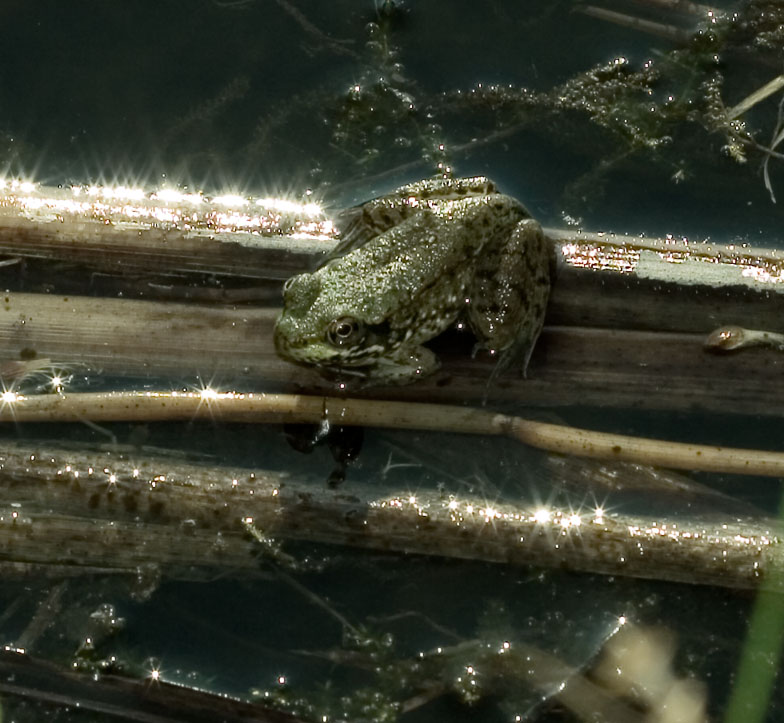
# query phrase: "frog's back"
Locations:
[[397, 270], [358, 224]]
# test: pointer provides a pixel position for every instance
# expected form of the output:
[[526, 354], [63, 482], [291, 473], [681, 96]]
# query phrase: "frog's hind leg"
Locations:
[[509, 295], [359, 224]]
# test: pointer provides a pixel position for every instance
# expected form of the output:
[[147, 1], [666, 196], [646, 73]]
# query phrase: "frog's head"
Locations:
[[321, 326]]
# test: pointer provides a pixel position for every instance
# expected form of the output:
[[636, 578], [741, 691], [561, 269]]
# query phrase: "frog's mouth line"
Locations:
[[325, 356], [377, 369], [367, 360], [379, 341], [359, 357]]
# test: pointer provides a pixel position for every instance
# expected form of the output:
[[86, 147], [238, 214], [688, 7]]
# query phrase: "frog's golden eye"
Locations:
[[287, 283], [345, 330]]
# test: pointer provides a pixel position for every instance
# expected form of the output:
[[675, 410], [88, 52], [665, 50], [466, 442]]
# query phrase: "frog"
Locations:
[[410, 265]]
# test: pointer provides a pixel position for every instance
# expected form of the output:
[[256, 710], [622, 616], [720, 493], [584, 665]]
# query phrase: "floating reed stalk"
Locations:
[[113, 511], [263, 408]]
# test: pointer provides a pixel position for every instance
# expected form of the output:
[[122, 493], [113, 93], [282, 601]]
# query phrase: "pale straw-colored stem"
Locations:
[[264, 408], [771, 87]]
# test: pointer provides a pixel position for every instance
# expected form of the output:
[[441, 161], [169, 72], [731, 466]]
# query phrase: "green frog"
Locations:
[[411, 264]]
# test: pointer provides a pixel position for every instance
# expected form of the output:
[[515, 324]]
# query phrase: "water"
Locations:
[[256, 97]]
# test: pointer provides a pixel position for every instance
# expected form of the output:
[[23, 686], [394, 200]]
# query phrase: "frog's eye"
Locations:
[[345, 330], [287, 283]]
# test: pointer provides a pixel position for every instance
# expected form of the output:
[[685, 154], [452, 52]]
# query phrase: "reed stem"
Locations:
[[265, 408], [95, 509]]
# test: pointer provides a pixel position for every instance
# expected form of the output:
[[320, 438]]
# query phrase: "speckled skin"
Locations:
[[409, 266]]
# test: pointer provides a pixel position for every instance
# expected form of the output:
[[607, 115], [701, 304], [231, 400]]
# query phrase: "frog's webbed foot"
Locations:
[[510, 293]]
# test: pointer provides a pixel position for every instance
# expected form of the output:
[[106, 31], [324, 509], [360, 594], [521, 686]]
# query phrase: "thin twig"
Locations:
[[763, 149], [336, 45], [681, 6], [670, 32], [757, 96], [48, 609], [778, 137], [317, 600], [263, 408]]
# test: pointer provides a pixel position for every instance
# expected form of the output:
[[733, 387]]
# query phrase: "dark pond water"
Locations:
[[348, 100]]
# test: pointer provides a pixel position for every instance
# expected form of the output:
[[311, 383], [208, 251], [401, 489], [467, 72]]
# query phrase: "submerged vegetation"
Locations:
[[700, 106], [676, 114], [671, 112]]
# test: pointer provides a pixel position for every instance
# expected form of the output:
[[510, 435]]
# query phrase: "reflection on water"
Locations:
[[640, 126]]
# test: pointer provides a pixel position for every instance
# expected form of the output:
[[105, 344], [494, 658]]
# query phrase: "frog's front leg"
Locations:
[[404, 367], [509, 293]]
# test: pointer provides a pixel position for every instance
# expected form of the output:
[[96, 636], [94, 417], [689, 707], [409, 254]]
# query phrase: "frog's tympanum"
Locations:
[[411, 264]]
